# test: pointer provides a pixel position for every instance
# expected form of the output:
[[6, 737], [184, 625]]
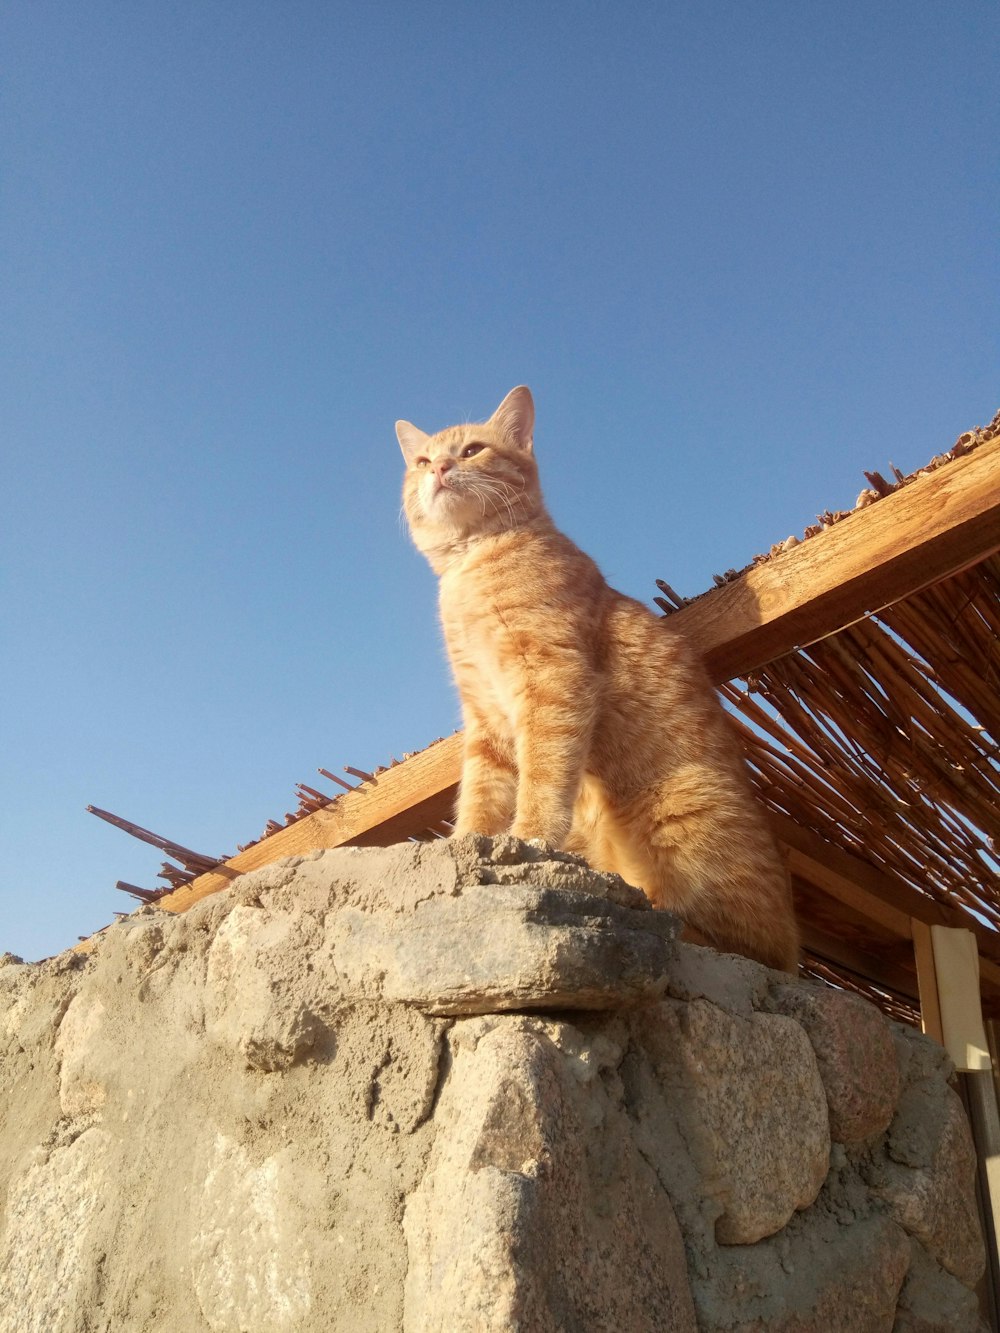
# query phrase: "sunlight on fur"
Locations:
[[589, 722]]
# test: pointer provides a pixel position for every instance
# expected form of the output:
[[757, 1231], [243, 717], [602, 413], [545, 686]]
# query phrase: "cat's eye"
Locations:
[[471, 450], [422, 462]]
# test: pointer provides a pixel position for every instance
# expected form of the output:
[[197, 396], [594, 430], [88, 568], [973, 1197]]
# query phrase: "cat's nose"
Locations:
[[441, 466]]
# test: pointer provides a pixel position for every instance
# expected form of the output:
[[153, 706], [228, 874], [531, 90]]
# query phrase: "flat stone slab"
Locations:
[[497, 948], [456, 927]]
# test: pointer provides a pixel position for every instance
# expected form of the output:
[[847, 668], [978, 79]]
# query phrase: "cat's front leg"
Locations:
[[553, 741], [488, 789]]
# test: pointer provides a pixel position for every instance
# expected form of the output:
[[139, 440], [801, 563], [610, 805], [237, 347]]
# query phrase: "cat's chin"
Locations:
[[452, 509], [443, 499], [442, 531]]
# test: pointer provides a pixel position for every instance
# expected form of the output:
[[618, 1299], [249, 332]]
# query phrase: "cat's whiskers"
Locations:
[[496, 491], [479, 491], [500, 491]]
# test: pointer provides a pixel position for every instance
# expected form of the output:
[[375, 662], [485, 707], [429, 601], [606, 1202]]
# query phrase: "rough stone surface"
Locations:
[[856, 1055], [735, 985], [534, 1158], [506, 946], [932, 1301], [463, 930], [52, 1208], [189, 1189], [754, 1112], [935, 1203], [281, 1111], [854, 1280]]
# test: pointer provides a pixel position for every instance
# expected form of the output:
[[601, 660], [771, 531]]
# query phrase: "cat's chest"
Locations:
[[483, 658]]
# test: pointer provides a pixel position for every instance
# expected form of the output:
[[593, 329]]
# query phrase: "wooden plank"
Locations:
[[847, 892], [412, 822], [854, 881], [418, 793], [414, 795], [887, 903], [925, 531], [816, 909], [375, 804], [960, 996], [930, 1005]]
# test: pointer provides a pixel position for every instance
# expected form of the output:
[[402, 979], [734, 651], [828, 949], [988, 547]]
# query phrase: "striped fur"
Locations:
[[589, 722]]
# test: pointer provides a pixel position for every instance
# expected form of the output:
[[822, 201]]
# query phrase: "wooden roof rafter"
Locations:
[[938, 525]]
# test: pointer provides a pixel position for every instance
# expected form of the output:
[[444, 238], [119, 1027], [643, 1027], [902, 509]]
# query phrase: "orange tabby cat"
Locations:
[[589, 722]]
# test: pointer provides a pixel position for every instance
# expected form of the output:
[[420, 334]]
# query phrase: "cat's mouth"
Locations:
[[442, 487]]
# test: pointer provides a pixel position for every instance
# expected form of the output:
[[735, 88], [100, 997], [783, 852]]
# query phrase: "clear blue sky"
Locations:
[[740, 253]]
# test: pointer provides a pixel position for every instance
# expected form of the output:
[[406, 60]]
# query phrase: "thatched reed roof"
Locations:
[[884, 740]]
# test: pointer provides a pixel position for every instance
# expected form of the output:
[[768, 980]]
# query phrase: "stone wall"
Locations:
[[468, 1085]]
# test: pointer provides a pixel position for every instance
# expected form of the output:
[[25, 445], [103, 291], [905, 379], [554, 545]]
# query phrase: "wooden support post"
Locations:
[[957, 967], [930, 1004], [984, 1116], [948, 978]]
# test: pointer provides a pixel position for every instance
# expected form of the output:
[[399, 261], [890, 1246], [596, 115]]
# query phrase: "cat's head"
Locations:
[[471, 480]]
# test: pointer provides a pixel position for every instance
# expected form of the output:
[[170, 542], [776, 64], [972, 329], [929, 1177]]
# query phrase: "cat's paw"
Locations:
[[541, 833]]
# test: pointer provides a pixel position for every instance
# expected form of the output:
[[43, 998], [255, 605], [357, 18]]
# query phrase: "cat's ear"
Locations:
[[515, 417], [411, 439]]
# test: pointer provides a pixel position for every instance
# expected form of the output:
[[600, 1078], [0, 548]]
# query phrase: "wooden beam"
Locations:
[[398, 793], [418, 793], [847, 892], [925, 531], [888, 903], [861, 962]]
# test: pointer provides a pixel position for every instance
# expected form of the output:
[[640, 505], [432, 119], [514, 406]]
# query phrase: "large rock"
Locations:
[[535, 1159], [935, 1202], [754, 1110], [856, 1056], [492, 948], [824, 1276], [932, 1301], [453, 927], [184, 1189], [54, 1205]]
